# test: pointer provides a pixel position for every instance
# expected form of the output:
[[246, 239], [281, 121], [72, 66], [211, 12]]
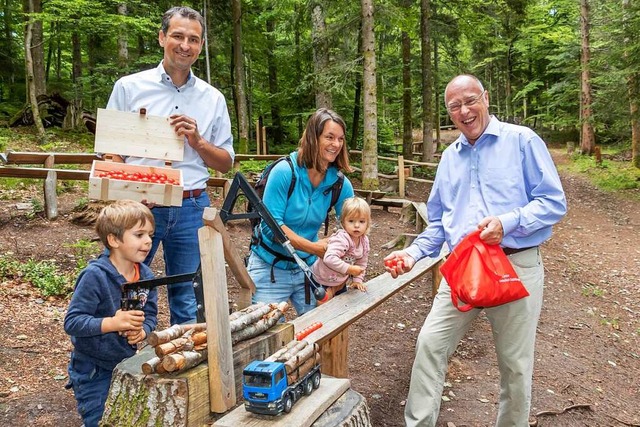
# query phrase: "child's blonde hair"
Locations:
[[120, 216], [356, 207]]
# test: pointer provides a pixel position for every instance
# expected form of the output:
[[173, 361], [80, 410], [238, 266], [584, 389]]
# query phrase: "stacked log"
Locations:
[[181, 347], [299, 357]]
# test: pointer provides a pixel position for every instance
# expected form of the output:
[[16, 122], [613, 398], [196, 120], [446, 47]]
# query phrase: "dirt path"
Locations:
[[587, 348]]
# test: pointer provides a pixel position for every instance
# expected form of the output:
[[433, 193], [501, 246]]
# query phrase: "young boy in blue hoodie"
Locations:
[[101, 333]]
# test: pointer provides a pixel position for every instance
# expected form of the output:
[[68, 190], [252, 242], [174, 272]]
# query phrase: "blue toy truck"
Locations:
[[266, 391]]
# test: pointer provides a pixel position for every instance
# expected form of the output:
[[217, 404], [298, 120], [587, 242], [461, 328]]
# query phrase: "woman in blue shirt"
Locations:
[[321, 154]]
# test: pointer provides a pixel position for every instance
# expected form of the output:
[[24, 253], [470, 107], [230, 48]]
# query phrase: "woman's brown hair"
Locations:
[[309, 149]]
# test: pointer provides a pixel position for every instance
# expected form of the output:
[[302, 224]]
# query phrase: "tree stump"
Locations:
[[350, 410], [182, 399]]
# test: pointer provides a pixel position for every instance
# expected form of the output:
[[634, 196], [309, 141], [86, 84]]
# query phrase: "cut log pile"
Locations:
[[181, 347], [299, 357]]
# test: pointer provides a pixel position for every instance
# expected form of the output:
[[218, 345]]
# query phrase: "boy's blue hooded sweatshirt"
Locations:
[[97, 295]]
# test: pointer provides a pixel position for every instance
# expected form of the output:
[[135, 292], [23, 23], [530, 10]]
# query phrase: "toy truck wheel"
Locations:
[[308, 387], [316, 380], [287, 403]]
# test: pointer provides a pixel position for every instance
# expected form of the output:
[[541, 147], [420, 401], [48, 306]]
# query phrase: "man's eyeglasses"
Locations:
[[455, 107]]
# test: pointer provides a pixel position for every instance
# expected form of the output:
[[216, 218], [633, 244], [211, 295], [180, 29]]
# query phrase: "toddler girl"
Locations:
[[345, 260]]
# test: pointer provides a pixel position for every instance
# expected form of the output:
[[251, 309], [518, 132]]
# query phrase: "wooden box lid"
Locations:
[[138, 135]]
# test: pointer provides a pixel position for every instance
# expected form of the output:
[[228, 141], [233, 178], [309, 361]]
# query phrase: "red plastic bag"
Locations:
[[481, 275]]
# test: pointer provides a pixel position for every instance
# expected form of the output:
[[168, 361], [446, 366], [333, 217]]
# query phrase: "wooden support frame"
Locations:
[[339, 313], [235, 262]]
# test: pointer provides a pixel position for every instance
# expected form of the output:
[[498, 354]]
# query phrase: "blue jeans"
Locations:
[[177, 230], [289, 285], [90, 387]]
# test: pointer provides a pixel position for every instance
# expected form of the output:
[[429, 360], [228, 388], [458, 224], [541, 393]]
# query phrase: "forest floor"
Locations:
[[587, 370]]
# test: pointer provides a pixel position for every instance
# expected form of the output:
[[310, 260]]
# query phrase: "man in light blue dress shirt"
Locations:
[[500, 178], [197, 111]]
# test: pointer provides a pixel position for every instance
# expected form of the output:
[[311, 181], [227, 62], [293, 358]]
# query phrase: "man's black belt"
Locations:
[[511, 251]]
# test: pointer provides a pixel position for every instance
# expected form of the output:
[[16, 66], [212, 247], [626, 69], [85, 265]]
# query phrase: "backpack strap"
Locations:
[[335, 189]]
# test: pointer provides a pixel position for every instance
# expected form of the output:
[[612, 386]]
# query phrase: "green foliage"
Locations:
[[44, 275], [84, 250], [611, 175], [591, 290]]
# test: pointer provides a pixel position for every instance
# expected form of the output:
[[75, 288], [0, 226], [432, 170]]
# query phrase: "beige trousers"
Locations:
[[514, 331]]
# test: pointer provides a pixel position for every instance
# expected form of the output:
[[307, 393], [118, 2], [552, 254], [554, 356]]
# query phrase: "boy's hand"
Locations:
[[123, 321], [355, 270], [134, 337]]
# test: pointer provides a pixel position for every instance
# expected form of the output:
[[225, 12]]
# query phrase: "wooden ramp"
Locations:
[[303, 414], [421, 216]]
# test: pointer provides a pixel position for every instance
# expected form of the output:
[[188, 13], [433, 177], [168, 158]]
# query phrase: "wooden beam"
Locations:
[[340, 312], [42, 173], [235, 262], [222, 396], [28, 158]]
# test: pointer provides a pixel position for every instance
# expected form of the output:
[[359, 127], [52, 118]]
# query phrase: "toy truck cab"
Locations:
[[266, 391], [263, 385]]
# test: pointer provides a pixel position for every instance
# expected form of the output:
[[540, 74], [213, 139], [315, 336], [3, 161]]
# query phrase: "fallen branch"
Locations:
[[566, 409]]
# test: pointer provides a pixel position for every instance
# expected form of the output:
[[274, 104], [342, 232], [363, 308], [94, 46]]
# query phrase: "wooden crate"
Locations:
[[116, 189], [138, 135]]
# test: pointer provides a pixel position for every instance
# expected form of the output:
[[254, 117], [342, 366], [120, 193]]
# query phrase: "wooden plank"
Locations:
[[421, 216], [235, 262], [303, 414], [222, 395], [395, 203], [42, 173], [29, 158], [137, 135], [267, 157], [342, 311]]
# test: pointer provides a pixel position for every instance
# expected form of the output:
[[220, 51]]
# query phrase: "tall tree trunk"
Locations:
[[123, 47], [276, 120], [407, 123], [633, 87], [427, 109], [31, 75], [36, 47], [357, 99], [370, 135], [300, 15], [239, 78], [9, 51], [587, 136], [320, 56]]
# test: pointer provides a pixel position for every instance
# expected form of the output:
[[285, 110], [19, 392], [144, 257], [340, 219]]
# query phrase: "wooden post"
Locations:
[[50, 186], [235, 262], [334, 354], [264, 140], [401, 177], [258, 137], [222, 395]]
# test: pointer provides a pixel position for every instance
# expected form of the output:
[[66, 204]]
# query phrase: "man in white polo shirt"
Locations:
[[198, 112]]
